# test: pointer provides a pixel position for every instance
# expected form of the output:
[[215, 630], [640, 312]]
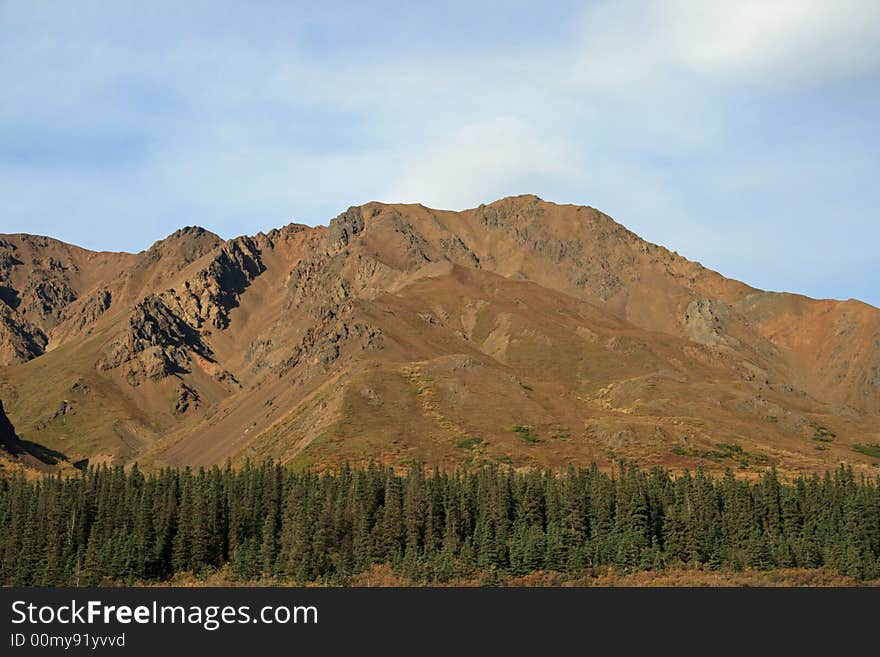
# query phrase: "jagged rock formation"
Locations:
[[165, 330], [214, 291], [157, 344], [90, 310], [518, 332], [187, 399], [19, 339]]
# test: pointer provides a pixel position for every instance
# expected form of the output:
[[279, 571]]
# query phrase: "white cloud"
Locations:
[[483, 161], [787, 42]]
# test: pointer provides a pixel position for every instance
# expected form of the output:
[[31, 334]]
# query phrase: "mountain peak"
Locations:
[[517, 199], [183, 246], [187, 235], [192, 232]]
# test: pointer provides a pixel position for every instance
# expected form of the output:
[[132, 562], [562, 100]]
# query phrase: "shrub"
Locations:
[[525, 433]]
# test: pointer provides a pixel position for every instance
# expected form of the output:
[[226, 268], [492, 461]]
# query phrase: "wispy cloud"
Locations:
[[485, 160], [787, 42]]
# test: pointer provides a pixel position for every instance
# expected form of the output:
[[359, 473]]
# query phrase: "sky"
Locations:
[[743, 135]]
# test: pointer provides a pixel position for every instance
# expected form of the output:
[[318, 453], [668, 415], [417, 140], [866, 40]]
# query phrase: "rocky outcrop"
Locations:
[[456, 250], [33, 297], [158, 343], [20, 341], [46, 299], [344, 228], [186, 399], [317, 290], [207, 298], [166, 330], [315, 286], [181, 248], [320, 348], [89, 310], [705, 322], [64, 409], [603, 267]]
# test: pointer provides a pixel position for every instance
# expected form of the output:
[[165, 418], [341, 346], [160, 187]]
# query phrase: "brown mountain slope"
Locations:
[[521, 331]]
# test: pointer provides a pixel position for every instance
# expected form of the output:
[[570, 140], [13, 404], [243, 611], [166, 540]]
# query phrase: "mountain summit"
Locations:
[[519, 332]]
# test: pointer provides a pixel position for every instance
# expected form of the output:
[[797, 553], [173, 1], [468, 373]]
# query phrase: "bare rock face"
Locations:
[[706, 321], [208, 298], [318, 350], [47, 299], [181, 248], [603, 266], [320, 291], [166, 330], [26, 304], [90, 310], [344, 228], [157, 343], [20, 341], [44, 292], [66, 408], [186, 399]]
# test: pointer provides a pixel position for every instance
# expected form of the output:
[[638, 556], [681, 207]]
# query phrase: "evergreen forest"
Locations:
[[264, 522]]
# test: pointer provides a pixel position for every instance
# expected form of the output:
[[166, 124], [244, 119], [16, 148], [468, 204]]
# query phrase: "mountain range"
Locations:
[[519, 332]]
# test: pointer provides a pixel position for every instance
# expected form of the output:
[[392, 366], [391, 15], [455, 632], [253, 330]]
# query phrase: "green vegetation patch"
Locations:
[[730, 451], [526, 434], [871, 449], [823, 435], [470, 443]]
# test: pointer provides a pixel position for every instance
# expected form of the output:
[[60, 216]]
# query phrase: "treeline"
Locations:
[[269, 522]]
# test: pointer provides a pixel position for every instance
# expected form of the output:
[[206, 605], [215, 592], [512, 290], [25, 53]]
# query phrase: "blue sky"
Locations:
[[743, 135]]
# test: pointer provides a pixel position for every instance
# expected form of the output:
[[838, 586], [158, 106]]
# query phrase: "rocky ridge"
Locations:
[[525, 331]]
